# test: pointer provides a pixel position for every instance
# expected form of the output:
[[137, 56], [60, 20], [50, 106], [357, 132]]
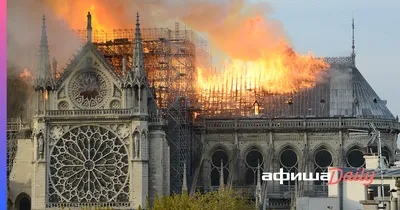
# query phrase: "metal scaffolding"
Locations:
[[171, 58], [13, 128]]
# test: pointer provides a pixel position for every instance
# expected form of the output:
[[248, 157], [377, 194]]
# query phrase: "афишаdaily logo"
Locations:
[[282, 176]]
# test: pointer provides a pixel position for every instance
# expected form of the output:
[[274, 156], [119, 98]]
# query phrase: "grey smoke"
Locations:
[[24, 21]]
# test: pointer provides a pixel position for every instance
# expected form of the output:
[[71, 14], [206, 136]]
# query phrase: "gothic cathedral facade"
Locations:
[[98, 137]]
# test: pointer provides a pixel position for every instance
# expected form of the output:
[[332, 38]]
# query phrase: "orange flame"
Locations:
[[25, 74], [105, 15], [263, 61], [279, 73]]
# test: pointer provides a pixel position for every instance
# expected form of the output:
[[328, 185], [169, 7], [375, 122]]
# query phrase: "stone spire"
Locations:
[[138, 57], [89, 27], [184, 184], [353, 46], [44, 57], [221, 176]]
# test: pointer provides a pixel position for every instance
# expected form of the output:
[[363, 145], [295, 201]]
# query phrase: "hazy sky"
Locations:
[[324, 27]]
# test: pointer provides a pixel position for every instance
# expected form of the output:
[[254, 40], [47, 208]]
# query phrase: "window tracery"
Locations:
[[253, 159], [322, 161], [89, 89], [88, 164], [216, 159], [355, 158], [289, 163]]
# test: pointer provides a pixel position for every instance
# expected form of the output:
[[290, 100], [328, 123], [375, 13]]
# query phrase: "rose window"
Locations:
[[88, 164], [88, 90]]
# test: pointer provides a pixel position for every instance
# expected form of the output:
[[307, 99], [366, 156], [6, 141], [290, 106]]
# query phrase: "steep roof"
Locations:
[[344, 93]]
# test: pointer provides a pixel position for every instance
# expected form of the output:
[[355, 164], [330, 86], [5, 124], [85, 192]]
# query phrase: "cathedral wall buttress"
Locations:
[[156, 169], [166, 167], [139, 164], [39, 166]]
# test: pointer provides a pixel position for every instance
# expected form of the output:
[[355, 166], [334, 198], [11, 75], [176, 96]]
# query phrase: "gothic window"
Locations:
[[289, 163], [355, 158], [89, 89], [216, 159], [253, 159], [322, 160], [88, 164]]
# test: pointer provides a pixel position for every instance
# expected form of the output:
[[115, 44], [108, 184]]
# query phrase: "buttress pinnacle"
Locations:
[[44, 58], [138, 57]]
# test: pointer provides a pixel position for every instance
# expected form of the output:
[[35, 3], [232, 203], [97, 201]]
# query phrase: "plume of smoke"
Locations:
[[18, 92], [24, 21], [340, 78], [235, 27]]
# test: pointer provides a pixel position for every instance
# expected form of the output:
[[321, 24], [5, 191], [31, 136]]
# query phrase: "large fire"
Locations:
[[284, 71], [262, 60]]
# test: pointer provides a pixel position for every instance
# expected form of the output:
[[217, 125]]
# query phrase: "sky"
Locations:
[[324, 27]]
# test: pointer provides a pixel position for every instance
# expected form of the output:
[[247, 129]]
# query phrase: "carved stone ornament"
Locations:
[[89, 89], [136, 144], [40, 142], [88, 164]]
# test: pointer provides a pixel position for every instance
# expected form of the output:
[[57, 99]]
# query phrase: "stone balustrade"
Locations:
[[303, 124], [83, 205], [96, 112]]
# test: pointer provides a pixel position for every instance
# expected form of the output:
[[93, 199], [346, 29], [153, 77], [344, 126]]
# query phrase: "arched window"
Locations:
[[253, 159], [289, 163], [355, 158], [216, 159], [322, 160]]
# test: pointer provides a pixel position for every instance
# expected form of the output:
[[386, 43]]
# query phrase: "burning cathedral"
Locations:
[[125, 121]]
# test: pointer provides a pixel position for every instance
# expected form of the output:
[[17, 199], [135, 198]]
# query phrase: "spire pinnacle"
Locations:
[[89, 27], [184, 184], [44, 57], [43, 40], [353, 46], [89, 21], [258, 174], [138, 57], [221, 176], [258, 186]]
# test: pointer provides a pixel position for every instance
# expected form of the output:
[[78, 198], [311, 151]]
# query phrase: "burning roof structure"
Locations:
[[176, 62]]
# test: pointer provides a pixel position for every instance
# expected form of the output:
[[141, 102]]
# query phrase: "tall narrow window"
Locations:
[[253, 159], [322, 160], [289, 163], [256, 108], [217, 157]]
